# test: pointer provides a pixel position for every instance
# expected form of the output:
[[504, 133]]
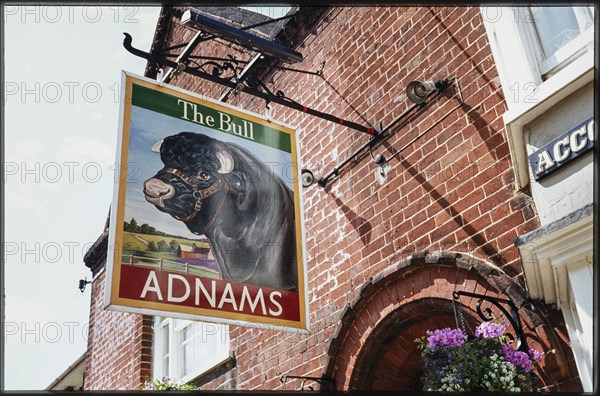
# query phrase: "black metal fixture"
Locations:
[[399, 122], [325, 382], [307, 178], [418, 91], [83, 283], [208, 25], [486, 315]]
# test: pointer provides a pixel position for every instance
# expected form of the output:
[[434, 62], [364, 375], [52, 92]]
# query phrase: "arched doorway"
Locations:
[[390, 359], [374, 347]]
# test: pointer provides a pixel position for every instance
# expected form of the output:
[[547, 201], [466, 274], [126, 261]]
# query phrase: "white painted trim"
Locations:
[[175, 330], [567, 81], [552, 266], [551, 254], [562, 84], [517, 55]]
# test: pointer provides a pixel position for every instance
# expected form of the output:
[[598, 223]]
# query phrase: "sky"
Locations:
[[62, 74]]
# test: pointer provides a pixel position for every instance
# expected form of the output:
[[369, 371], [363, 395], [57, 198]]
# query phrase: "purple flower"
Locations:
[[149, 386], [517, 358], [535, 355], [490, 330], [445, 337], [165, 378]]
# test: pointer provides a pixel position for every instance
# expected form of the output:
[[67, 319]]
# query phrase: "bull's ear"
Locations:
[[156, 147], [225, 162]]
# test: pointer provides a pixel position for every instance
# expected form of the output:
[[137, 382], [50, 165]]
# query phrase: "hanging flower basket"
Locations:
[[485, 363]]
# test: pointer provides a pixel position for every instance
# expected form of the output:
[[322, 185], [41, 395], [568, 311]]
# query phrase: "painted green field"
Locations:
[[135, 241], [135, 252]]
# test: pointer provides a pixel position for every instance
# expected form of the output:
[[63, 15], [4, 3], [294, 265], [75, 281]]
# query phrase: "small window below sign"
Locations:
[[184, 349]]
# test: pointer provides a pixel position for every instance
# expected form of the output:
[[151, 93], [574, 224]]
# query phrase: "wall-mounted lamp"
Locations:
[[417, 91], [307, 178], [83, 283]]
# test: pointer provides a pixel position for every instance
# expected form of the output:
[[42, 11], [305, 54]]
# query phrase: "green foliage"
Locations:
[[133, 226], [173, 245], [152, 246], [162, 246], [165, 383], [145, 228]]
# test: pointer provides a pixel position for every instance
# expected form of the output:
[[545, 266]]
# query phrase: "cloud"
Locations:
[[24, 151], [18, 199], [85, 150]]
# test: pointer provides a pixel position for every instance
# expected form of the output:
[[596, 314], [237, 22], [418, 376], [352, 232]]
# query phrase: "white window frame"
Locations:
[[175, 331], [526, 92], [547, 67]]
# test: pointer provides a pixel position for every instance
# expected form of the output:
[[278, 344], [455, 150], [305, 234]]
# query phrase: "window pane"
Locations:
[[186, 351], [166, 340], [185, 348], [557, 26], [165, 366]]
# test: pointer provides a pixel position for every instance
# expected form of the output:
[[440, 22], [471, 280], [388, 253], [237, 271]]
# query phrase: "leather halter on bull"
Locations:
[[200, 194]]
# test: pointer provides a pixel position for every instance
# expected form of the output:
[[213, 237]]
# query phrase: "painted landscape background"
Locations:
[[144, 245]]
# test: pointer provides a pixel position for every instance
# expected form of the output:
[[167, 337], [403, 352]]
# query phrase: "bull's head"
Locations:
[[193, 179]]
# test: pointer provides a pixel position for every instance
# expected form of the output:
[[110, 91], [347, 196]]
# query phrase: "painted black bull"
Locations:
[[221, 190]]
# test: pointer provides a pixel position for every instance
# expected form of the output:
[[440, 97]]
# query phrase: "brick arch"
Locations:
[[373, 347], [390, 359]]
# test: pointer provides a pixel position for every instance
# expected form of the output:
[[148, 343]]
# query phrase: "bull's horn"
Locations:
[[226, 162], [156, 147]]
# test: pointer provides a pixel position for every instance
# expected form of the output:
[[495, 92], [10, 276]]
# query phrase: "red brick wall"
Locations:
[[451, 189], [119, 354]]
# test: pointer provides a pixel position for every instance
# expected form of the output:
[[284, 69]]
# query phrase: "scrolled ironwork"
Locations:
[[486, 314], [327, 383]]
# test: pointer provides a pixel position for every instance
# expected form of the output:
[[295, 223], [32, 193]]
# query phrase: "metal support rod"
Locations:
[[228, 90], [214, 58], [323, 181], [189, 48], [269, 97], [336, 171], [513, 317]]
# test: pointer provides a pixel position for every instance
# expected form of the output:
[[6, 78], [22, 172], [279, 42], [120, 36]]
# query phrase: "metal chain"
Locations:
[[460, 319]]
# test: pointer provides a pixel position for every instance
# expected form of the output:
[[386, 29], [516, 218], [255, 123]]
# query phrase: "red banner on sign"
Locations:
[[152, 285]]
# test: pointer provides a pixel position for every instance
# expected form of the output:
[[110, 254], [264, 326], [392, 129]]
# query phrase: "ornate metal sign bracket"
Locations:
[[324, 382], [226, 72], [486, 314]]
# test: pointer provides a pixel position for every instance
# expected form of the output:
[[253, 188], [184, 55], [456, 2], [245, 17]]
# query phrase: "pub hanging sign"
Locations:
[[562, 150], [207, 214]]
